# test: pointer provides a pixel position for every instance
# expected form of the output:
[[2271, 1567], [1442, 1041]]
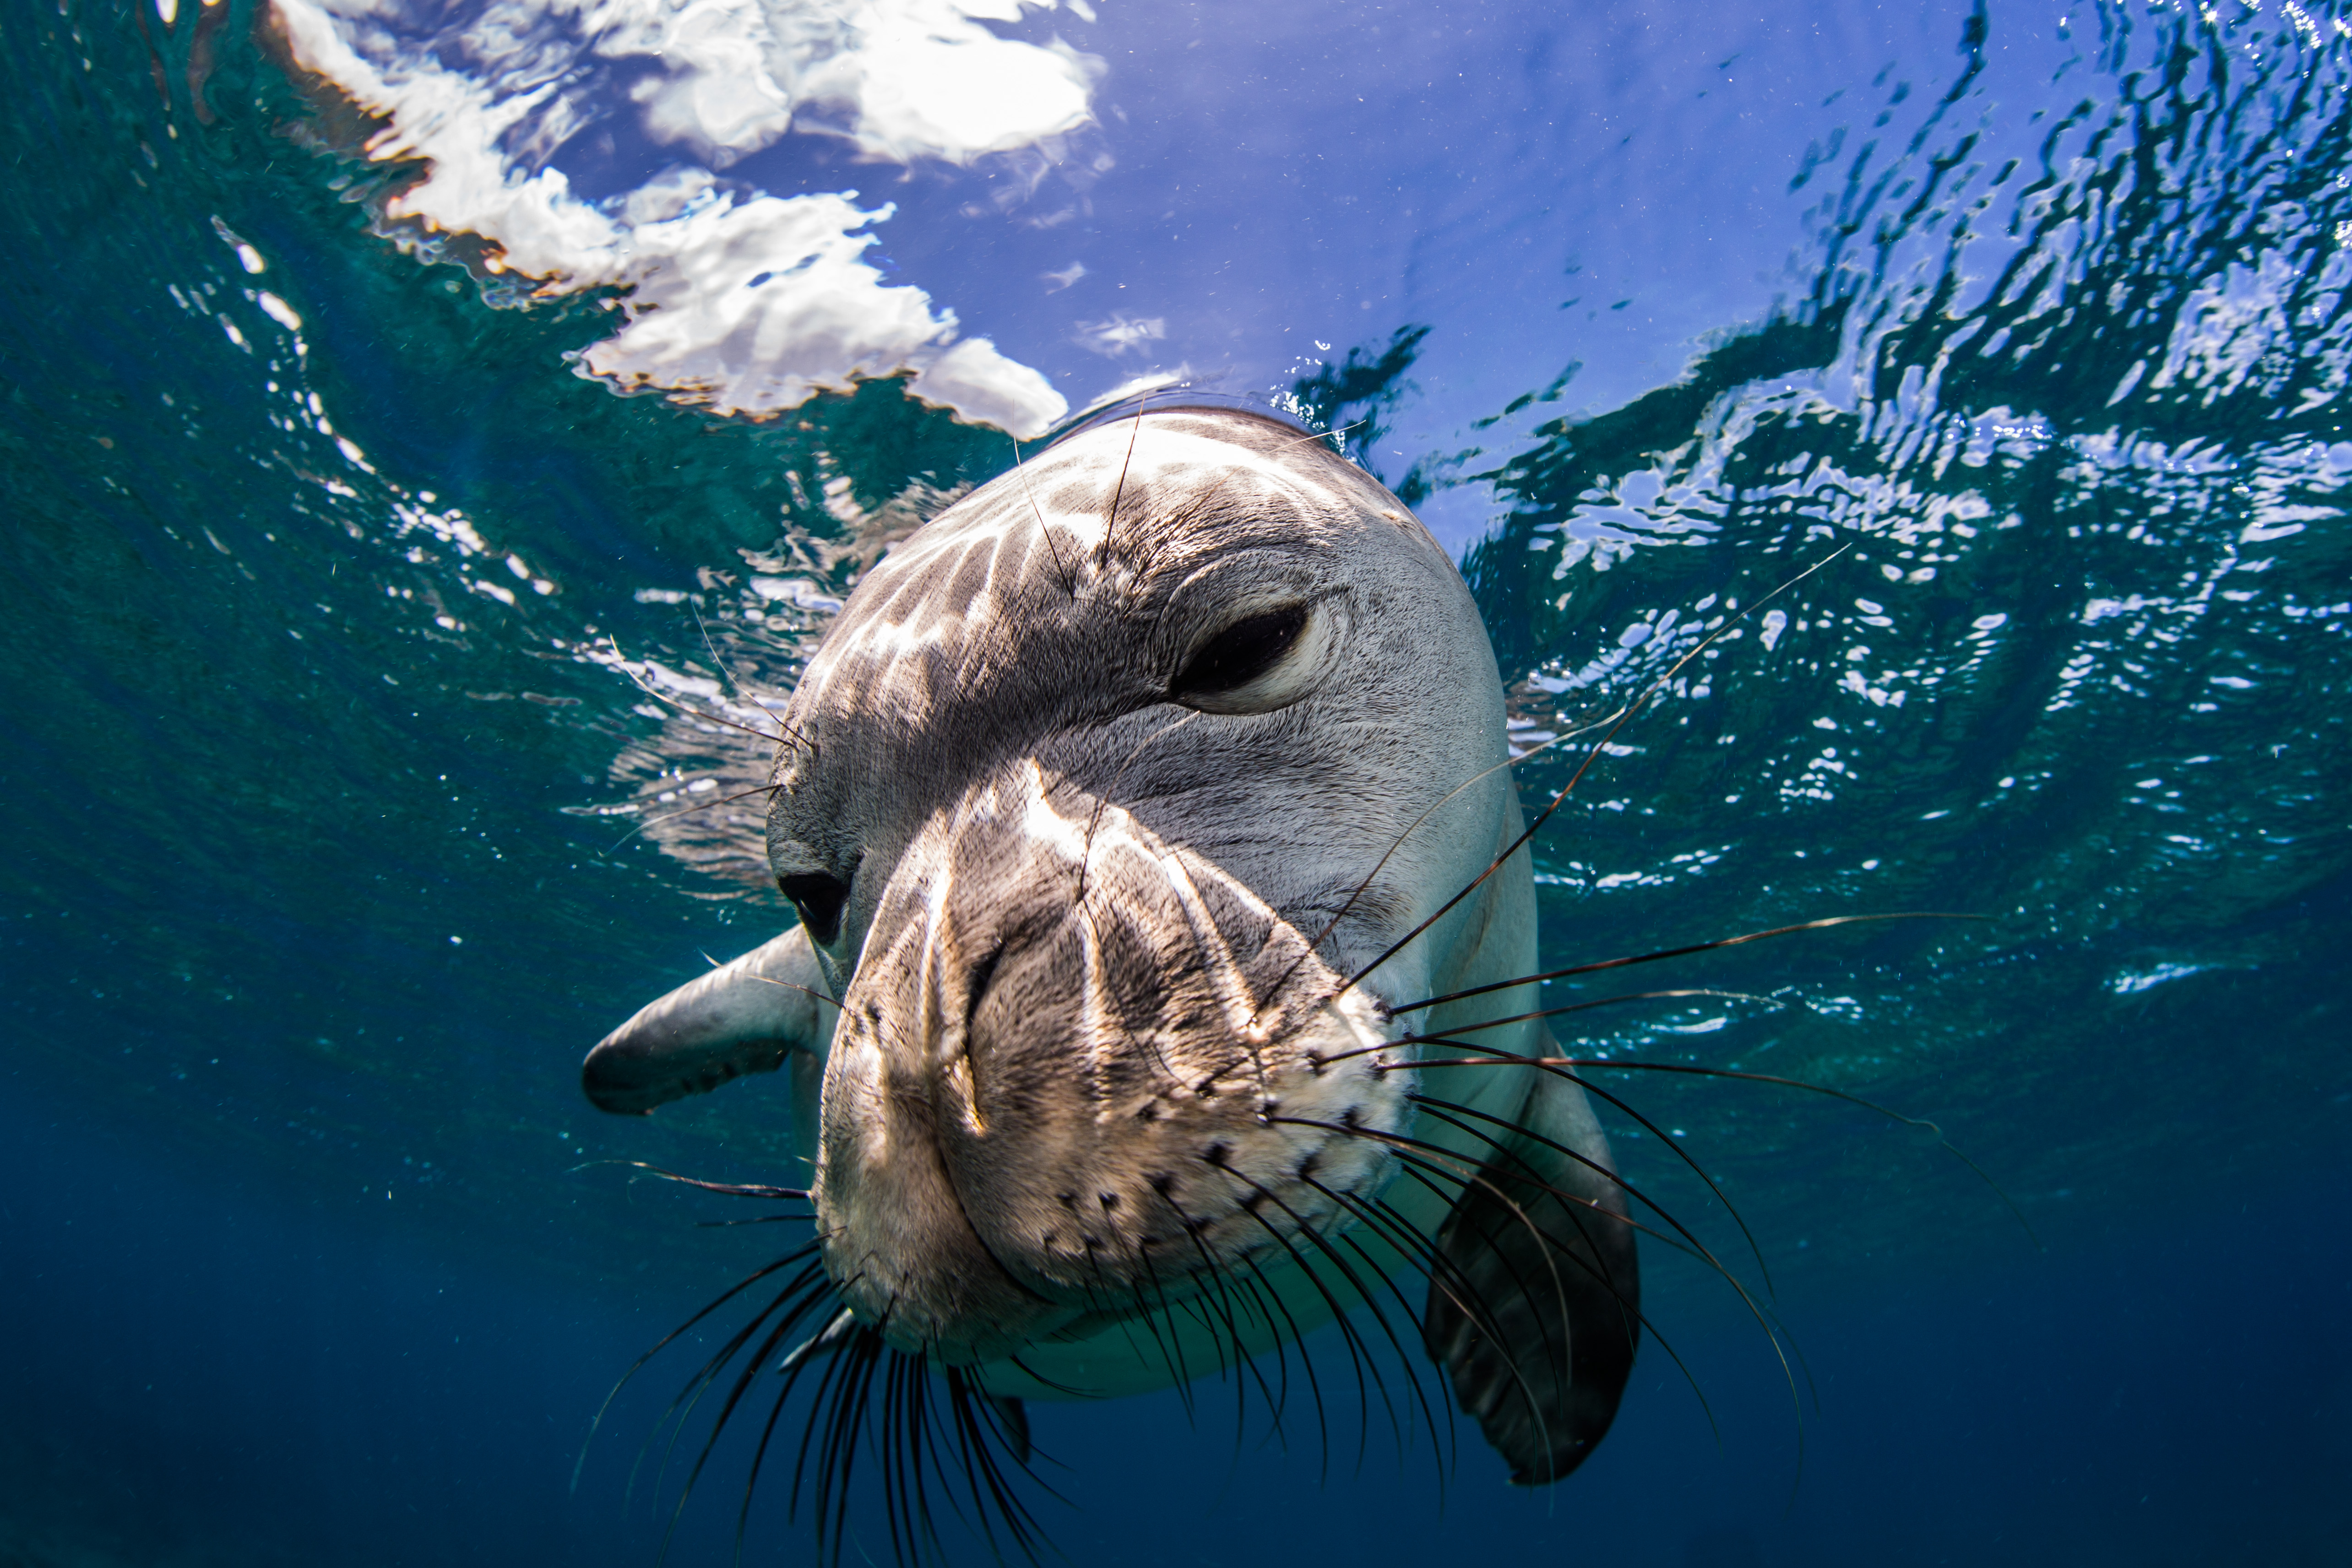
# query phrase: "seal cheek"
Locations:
[[1126, 1028]]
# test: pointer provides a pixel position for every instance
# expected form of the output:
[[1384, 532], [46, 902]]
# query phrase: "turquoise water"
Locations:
[[2029, 337]]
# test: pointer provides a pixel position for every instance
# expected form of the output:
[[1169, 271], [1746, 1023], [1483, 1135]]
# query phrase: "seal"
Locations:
[[1127, 805]]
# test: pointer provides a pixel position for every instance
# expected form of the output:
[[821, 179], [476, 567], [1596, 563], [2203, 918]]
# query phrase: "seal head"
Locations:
[[1103, 786]]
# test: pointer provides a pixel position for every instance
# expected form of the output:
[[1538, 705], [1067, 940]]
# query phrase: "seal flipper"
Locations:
[[1538, 1294], [743, 1017]]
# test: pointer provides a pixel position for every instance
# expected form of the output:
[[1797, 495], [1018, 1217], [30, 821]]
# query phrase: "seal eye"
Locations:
[[1240, 653], [819, 897]]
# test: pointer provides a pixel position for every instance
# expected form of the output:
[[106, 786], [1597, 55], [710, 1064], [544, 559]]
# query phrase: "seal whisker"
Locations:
[[1422, 1161], [709, 1376], [1211, 1271], [886, 1462], [1218, 1277], [1559, 1068], [786, 1261], [1357, 1352], [977, 1454], [661, 697], [822, 1405], [1695, 1249], [1236, 1298], [1278, 1399], [1821, 925], [1064, 1389], [1172, 1353], [732, 1189], [1582, 1062], [1423, 1256], [1270, 1298], [1424, 1170], [1331, 436], [793, 1362], [1445, 1277], [688, 811], [1528, 1173], [1069, 579], [1478, 1309], [743, 1382], [1664, 1239], [1597, 1002], [793, 1365], [846, 1421], [1619, 1000], [1441, 1107], [1098, 1297], [1399, 1142], [1258, 1294], [1419, 1152], [1348, 1238], [1142, 1314], [908, 1498], [1170, 1343], [736, 681], [759, 1458], [1623, 718], [1110, 518], [681, 1406], [1364, 884], [1429, 1260]]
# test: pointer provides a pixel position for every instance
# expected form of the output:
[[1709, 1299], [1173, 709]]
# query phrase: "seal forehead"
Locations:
[[1054, 514], [1089, 533]]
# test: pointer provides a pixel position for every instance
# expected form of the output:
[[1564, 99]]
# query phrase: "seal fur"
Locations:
[[1105, 784]]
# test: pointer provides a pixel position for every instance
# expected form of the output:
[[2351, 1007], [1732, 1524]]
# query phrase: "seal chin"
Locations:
[[1080, 1074]]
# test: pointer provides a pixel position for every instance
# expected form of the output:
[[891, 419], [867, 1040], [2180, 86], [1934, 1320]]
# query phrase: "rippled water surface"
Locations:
[[342, 588]]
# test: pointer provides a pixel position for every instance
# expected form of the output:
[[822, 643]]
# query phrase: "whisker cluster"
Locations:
[[933, 1436]]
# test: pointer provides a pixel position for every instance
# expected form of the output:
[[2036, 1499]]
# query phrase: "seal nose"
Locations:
[[1078, 1065]]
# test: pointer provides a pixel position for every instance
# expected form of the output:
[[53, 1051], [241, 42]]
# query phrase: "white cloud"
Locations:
[[903, 79], [1120, 334]]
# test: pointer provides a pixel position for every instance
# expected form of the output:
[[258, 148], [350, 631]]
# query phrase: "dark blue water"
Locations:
[[317, 885]]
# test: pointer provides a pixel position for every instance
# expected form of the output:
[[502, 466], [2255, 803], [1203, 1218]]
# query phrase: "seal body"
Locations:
[[1120, 807]]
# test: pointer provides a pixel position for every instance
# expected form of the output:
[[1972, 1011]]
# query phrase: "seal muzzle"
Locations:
[[1079, 1070]]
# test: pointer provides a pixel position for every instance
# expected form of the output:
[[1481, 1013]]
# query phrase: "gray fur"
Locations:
[[1088, 1005]]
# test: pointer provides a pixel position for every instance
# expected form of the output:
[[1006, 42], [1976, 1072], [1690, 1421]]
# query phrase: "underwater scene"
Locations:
[[1898, 454]]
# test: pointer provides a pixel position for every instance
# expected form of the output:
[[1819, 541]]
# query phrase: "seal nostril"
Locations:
[[819, 896]]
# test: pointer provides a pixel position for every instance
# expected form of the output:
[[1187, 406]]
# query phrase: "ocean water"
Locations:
[[338, 581]]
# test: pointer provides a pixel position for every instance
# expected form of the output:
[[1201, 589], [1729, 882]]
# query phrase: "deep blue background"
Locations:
[[202, 1370]]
